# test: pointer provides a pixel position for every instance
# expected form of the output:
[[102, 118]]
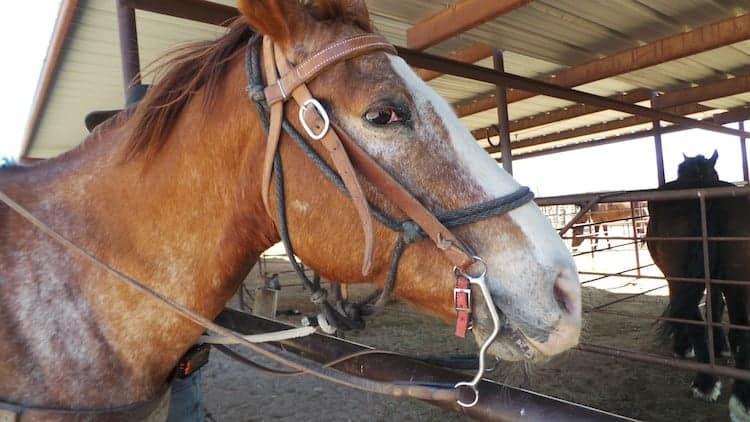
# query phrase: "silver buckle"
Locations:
[[321, 111], [456, 292]]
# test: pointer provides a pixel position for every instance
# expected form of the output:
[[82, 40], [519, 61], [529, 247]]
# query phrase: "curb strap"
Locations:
[[462, 303]]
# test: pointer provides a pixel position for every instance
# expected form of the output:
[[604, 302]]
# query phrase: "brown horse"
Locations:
[[170, 193], [601, 216]]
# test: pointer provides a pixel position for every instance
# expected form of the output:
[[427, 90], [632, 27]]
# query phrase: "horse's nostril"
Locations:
[[563, 295]]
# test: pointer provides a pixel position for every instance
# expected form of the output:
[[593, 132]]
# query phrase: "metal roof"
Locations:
[[538, 39]]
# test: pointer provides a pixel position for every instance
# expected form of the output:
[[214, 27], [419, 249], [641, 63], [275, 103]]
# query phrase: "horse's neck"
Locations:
[[189, 223]]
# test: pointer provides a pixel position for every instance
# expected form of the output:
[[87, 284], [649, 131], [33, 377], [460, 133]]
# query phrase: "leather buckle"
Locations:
[[457, 291], [321, 112]]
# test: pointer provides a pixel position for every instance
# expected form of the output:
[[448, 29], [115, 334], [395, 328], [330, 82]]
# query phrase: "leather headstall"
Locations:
[[285, 82]]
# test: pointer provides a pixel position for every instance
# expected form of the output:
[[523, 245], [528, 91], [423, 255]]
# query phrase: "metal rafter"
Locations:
[[472, 53], [731, 116], [705, 92], [424, 60], [708, 37]]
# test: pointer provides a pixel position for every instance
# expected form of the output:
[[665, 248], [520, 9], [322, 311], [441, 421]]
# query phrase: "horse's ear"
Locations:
[[684, 157], [354, 11], [282, 20], [713, 158]]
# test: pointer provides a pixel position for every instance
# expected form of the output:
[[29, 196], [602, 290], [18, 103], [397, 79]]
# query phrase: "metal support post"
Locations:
[[131, 64], [502, 116]]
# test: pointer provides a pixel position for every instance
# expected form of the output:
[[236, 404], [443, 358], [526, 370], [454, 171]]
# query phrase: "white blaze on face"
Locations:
[[483, 169]]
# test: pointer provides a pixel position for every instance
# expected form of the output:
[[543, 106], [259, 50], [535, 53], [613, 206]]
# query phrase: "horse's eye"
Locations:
[[383, 115]]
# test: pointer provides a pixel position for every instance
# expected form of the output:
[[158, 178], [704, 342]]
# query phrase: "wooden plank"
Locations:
[[708, 37], [705, 92], [455, 19]]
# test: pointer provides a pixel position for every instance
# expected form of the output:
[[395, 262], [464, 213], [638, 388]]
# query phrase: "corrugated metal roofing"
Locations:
[[540, 38]]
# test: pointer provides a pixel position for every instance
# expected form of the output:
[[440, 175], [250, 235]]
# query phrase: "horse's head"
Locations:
[[414, 134], [698, 169]]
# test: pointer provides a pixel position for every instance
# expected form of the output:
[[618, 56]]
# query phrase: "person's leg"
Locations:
[[186, 401]]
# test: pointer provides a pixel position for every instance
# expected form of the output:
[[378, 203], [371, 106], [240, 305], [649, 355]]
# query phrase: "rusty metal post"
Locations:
[[502, 115], [657, 143], [707, 277], [635, 238], [131, 63], [743, 153]]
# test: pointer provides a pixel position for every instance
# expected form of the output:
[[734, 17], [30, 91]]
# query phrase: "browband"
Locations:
[[313, 65]]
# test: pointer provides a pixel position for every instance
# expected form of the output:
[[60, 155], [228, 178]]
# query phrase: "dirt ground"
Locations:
[[641, 391]]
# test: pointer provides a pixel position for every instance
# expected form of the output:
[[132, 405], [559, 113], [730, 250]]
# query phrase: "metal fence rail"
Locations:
[[586, 201]]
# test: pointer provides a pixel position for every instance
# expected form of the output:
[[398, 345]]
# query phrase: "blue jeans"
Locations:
[[186, 400]]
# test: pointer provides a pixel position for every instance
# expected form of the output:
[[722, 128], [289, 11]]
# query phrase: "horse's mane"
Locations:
[[183, 72]]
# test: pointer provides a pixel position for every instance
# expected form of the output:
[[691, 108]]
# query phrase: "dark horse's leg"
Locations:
[[717, 313], [684, 304], [606, 234], [737, 305], [595, 240], [681, 345]]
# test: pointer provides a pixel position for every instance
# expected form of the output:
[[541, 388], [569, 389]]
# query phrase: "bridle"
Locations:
[[346, 155], [283, 83]]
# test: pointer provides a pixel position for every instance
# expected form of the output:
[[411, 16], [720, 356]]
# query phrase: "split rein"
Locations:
[[469, 269]]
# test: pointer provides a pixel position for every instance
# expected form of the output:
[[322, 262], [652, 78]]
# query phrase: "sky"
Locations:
[[25, 34]]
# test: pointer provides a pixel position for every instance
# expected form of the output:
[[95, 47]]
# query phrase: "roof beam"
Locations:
[[682, 110], [561, 114], [472, 53], [195, 10], [494, 77], [455, 19], [708, 37], [731, 116], [704, 92]]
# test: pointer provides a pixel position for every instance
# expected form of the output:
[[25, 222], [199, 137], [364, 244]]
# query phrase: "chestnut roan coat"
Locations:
[[169, 193]]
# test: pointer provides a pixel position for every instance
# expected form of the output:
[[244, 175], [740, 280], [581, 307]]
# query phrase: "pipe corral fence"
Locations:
[[632, 235]]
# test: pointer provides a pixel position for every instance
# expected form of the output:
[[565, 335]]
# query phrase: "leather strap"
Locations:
[[340, 161], [342, 149], [274, 128], [312, 66], [462, 303], [138, 411], [453, 249]]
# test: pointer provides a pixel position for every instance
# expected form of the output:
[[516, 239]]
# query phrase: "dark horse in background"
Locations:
[[727, 260]]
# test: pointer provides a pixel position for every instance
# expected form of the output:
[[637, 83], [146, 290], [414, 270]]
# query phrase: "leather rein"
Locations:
[[346, 155]]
